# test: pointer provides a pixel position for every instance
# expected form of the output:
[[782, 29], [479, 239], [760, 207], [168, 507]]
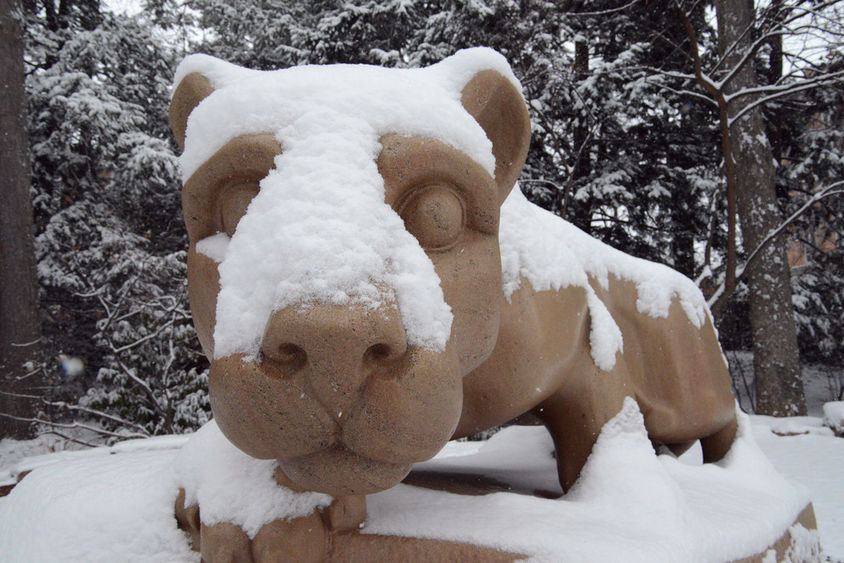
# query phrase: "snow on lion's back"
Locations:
[[551, 254]]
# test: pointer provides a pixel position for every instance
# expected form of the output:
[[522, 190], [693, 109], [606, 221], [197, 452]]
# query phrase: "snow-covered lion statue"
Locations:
[[368, 283]]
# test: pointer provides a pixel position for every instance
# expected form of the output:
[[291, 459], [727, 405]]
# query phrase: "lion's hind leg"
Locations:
[[715, 446]]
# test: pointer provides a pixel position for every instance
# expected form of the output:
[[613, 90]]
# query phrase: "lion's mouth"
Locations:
[[338, 471], [339, 442]]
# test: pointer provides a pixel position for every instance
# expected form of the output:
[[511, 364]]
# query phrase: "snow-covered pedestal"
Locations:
[[628, 505]]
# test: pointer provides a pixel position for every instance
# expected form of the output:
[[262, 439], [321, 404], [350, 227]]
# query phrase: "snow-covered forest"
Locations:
[[633, 107]]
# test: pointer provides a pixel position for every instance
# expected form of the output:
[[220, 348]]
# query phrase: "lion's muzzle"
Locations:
[[338, 383]]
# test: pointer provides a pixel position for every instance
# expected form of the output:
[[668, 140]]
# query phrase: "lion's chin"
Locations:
[[338, 471]]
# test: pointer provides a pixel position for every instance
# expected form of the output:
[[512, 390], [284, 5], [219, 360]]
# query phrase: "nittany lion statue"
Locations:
[[368, 283]]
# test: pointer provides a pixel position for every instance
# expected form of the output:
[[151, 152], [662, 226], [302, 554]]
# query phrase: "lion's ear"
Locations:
[[191, 90], [498, 106]]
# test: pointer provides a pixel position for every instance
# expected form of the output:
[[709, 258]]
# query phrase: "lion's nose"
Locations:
[[337, 347]]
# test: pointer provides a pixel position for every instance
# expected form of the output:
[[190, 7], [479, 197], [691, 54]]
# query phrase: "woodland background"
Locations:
[[633, 106]]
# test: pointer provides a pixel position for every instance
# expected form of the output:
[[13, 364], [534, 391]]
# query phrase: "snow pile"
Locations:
[[794, 425], [805, 545], [95, 508], [19, 457], [629, 504], [230, 486], [12, 452], [319, 229], [833, 416], [551, 254]]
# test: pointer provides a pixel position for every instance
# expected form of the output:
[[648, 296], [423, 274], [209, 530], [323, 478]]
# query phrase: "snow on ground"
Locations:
[[815, 458], [12, 452], [96, 504], [98, 507], [821, 383], [20, 456]]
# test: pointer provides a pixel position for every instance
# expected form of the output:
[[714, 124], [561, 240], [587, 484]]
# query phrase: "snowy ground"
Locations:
[[821, 383], [813, 457], [132, 489]]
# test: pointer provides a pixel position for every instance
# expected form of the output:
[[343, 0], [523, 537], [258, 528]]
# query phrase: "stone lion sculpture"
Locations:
[[368, 284]]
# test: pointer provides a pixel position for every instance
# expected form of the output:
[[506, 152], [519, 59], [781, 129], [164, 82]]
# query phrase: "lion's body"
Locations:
[[542, 364]]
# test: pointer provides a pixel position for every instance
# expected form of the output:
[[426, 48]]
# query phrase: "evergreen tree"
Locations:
[[110, 241]]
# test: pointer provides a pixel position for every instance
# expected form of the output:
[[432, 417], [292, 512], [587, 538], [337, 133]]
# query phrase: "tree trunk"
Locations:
[[20, 329], [581, 168], [779, 387]]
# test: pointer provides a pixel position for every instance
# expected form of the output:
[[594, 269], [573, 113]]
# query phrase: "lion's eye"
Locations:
[[232, 204], [435, 215]]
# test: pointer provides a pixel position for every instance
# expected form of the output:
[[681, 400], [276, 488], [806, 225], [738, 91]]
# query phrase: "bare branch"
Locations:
[[21, 395], [602, 12], [26, 344], [726, 147], [782, 92], [95, 412], [70, 439], [29, 374], [781, 89], [748, 55], [555, 185], [94, 293], [79, 408], [690, 93], [73, 425], [121, 295], [144, 385], [721, 296], [777, 29], [729, 50]]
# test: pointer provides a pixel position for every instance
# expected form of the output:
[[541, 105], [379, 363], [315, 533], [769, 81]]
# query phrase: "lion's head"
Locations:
[[344, 270]]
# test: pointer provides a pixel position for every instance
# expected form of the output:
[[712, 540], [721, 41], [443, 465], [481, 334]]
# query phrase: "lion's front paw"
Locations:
[[299, 539], [303, 539], [224, 543], [345, 514]]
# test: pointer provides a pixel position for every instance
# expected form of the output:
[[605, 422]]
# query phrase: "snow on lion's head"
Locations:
[[344, 269]]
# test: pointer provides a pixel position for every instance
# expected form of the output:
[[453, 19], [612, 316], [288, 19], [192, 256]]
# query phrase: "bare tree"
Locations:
[[733, 85], [20, 331]]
